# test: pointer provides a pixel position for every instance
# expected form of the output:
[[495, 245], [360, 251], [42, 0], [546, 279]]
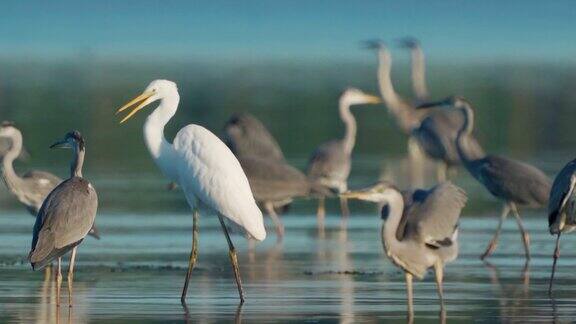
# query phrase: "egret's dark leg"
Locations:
[[58, 281], [439, 271], [494, 242], [193, 255], [71, 275], [233, 259], [321, 215], [277, 222], [344, 207], [409, 297], [556, 256], [525, 236]]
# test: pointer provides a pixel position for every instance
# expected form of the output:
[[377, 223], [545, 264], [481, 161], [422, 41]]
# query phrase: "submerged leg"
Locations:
[[439, 271], [344, 207], [233, 259], [58, 281], [277, 222], [409, 297], [193, 255], [71, 275], [494, 242], [525, 236], [556, 256]]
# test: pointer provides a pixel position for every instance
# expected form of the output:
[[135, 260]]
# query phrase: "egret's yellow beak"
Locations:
[[140, 99], [373, 99]]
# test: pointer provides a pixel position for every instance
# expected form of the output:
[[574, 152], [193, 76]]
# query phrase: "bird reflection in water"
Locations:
[[513, 298]]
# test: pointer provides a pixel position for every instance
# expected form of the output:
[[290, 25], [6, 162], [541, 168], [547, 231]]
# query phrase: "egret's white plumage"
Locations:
[[202, 165]]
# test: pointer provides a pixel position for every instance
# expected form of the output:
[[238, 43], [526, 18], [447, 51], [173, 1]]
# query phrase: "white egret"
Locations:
[[203, 166]]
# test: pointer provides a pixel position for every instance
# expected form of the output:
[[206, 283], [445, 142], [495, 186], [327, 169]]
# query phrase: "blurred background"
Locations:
[[70, 64]]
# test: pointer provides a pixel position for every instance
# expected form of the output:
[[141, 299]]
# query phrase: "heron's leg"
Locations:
[[71, 275], [48, 273], [441, 171], [556, 256], [525, 236], [344, 207], [416, 163], [439, 271], [193, 254], [321, 215], [233, 259], [494, 241], [58, 281], [277, 222], [409, 297]]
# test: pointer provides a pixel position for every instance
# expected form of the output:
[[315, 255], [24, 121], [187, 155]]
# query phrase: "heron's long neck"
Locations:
[[77, 162], [8, 173], [419, 73], [396, 204], [350, 123], [160, 149], [400, 109], [463, 133]]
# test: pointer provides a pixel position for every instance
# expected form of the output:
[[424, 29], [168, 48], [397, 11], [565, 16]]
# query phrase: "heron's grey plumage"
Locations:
[[329, 165], [67, 214], [418, 66], [562, 202], [245, 135], [32, 188]]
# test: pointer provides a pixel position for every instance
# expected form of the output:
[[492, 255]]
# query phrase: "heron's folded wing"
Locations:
[[433, 218], [560, 188]]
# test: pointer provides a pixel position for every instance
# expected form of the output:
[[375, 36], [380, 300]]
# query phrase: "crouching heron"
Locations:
[[562, 208], [66, 216], [420, 228]]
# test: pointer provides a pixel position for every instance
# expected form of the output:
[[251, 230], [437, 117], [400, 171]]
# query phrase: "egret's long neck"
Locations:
[[160, 149], [8, 173], [77, 162], [419, 73], [463, 133], [396, 204], [350, 123]]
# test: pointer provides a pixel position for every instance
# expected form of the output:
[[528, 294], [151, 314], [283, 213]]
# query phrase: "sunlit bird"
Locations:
[[420, 228], [562, 208], [273, 181], [32, 188], [66, 216], [329, 165], [203, 166], [514, 182]]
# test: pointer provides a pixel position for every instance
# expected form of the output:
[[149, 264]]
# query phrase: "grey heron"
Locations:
[[420, 228], [273, 181], [209, 174], [66, 216], [418, 65], [32, 188], [514, 182], [329, 165], [562, 208]]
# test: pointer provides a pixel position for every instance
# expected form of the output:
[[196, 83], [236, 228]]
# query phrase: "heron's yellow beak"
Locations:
[[353, 194], [140, 99], [373, 99]]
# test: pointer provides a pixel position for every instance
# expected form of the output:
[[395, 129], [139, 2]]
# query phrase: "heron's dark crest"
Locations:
[[375, 43], [77, 138], [409, 42]]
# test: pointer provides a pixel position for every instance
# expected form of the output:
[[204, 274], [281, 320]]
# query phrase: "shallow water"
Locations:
[[136, 271]]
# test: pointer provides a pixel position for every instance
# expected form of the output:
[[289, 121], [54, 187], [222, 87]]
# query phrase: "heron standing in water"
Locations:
[[329, 166], [420, 228], [204, 167], [514, 182], [66, 216], [562, 209], [32, 188]]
